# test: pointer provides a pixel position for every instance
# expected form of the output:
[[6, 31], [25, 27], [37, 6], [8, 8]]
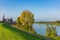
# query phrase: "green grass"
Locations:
[[9, 33]]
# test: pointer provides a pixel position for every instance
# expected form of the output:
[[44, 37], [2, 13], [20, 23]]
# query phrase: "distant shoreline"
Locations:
[[52, 23]]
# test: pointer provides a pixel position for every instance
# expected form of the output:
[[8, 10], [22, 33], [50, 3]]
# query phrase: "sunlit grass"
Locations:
[[9, 33]]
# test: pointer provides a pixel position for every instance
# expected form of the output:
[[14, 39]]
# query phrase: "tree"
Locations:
[[51, 31], [48, 31], [26, 20], [18, 21]]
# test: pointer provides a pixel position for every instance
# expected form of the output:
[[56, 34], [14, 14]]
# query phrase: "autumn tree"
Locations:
[[26, 20], [51, 31], [48, 30]]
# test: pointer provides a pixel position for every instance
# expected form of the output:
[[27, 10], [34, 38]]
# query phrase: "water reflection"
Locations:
[[41, 28]]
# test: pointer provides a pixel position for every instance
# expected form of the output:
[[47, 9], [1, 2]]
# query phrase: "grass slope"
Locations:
[[9, 33]]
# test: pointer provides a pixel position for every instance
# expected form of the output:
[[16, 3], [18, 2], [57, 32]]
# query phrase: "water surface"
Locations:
[[41, 29]]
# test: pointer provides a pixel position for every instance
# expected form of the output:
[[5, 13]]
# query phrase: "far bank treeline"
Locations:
[[25, 21]]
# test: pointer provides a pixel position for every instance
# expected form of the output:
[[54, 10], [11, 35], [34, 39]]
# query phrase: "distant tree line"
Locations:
[[58, 21]]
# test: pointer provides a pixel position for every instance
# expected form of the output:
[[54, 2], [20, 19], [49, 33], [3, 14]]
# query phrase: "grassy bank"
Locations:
[[9, 33]]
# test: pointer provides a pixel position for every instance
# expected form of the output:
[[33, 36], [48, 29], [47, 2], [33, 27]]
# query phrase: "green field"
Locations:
[[9, 33]]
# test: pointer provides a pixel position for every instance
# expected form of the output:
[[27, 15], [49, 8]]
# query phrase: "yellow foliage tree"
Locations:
[[26, 20], [51, 31]]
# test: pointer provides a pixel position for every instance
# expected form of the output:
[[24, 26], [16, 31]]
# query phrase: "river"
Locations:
[[41, 29]]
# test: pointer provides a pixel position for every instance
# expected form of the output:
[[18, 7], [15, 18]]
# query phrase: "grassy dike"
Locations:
[[9, 33]]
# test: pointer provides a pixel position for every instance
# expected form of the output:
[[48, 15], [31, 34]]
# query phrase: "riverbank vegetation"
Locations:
[[25, 21]]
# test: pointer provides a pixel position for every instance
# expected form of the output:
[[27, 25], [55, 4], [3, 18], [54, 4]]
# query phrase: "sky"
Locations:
[[43, 10]]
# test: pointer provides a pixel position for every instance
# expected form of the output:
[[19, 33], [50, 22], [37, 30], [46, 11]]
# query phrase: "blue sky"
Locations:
[[43, 10]]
